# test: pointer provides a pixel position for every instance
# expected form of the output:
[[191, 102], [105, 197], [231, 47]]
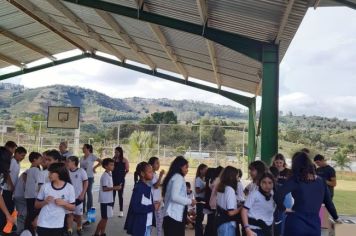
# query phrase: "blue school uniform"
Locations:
[[308, 198], [141, 207]]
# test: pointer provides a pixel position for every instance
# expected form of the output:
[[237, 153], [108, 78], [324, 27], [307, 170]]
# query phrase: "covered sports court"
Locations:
[[229, 47]]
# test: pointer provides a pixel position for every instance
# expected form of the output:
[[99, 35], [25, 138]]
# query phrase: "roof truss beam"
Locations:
[[164, 42], [11, 61], [347, 3], [203, 12], [119, 30], [86, 28], [26, 43], [249, 47], [284, 21], [35, 13]]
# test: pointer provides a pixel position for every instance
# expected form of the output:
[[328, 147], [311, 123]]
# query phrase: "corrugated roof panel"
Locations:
[[238, 84], [179, 9], [127, 3], [19, 52], [182, 53]]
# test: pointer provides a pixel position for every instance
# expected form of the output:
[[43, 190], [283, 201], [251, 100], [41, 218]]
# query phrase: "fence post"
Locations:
[[200, 138], [76, 140], [118, 135], [158, 139], [39, 137]]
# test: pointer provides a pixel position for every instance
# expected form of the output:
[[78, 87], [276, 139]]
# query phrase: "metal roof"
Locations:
[[35, 29]]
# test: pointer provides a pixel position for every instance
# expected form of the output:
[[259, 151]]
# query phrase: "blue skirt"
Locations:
[[302, 224]]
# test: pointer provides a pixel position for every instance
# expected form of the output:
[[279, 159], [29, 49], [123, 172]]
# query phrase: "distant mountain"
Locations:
[[17, 101]]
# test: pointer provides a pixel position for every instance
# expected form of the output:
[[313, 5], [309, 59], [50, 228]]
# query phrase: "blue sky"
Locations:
[[317, 75]]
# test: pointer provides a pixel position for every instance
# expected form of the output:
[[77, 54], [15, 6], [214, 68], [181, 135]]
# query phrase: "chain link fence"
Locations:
[[210, 144]]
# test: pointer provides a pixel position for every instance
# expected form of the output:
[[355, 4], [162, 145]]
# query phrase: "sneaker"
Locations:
[[79, 232], [121, 214], [86, 223]]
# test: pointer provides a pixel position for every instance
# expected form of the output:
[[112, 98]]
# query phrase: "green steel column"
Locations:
[[269, 115], [252, 132]]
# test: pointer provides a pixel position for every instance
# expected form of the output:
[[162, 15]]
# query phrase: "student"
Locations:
[[49, 157], [200, 187], [175, 196], [256, 169], [11, 146], [106, 196], [53, 200], [63, 150], [226, 202], [87, 163], [157, 193], [280, 163], [5, 160], [259, 207], [192, 214], [20, 203], [31, 189], [309, 192], [118, 175], [326, 172], [11, 180], [140, 217], [79, 180], [240, 197]]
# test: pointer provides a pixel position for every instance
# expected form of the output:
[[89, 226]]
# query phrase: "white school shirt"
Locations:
[[20, 187], [33, 178], [156, 192], [259, 208], [251, 187], [227, 200], [106, 181], [191, 196], [77, 177], [240, 195], [146, 202], [52, 216], [14, 172], [88, 164], [66, 154], [200, 183]]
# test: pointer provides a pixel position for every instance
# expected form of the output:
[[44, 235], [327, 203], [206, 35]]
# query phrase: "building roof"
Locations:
[[34, 29]]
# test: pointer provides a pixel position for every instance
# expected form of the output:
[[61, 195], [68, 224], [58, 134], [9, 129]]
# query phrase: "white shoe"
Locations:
[[121, 214]]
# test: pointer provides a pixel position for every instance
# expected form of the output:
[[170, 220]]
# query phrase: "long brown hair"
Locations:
[[228, 178]]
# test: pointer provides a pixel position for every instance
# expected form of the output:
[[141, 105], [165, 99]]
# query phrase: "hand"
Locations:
[[49, 199], [161, 173], [60, 202], [117, 187], [11, 219], [288, 210], [194, 202], [81, 197], [157, 205], [338, 221], [249, 232]]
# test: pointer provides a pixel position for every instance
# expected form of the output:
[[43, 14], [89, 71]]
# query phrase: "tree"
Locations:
[[341, 160], [167, 117], [142, 144]]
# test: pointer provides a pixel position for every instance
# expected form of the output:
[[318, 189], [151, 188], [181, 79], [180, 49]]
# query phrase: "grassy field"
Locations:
[[345, 202]]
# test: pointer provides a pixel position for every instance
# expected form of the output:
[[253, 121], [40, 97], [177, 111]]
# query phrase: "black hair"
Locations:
[[121, 151], [319, 157], [89, 147], [106, 162], [152, 160], [175, 168], [302, 167], [274, 171], [61, 170], [266, 175], [228, 178], [279, 156], [5, 160], [74, 159], [141, 167], [239, 173], [34, 156], [199, 169], [21, 150], [187, 184], [54, 154], [306, 150], [260, 167], [10, 144]]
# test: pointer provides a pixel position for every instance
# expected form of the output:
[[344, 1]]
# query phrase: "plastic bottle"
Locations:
[[91, 215]]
